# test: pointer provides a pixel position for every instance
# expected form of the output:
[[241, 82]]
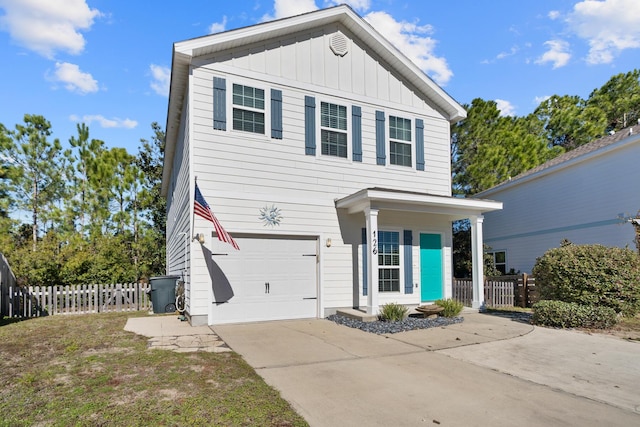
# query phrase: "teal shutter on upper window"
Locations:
[[219, 103], [276, 114], [381, 157], [408, 262], [356, 133], [365, 269], [419, 144], [310, 125]]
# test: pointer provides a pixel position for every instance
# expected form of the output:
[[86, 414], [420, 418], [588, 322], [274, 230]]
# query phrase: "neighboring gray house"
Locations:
[[325, 153], [583, 195]]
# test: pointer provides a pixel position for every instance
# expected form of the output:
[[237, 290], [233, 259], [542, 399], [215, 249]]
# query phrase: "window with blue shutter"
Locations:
[[276, 114], [356, 133], [219, 103], [381, 158], [365, 269], [408, 262], [419, 144], [310, 125]]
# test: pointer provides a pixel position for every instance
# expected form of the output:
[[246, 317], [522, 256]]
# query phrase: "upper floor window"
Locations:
[[400, 141], [249, 118], [333, 129]]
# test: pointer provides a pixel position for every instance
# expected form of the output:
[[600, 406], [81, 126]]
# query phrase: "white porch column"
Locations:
[[477, 261], [372, 260]]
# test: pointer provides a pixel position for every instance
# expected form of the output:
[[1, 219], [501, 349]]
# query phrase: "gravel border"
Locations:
[[382, 327]]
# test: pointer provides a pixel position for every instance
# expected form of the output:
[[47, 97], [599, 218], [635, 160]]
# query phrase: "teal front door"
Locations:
[[430, 267]]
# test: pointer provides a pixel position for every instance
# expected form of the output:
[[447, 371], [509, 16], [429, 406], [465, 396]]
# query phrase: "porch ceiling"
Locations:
[[407, 201]]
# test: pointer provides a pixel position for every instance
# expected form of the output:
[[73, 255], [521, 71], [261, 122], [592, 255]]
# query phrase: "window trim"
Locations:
[[232, 80], [401, 272], [345, 132], [495, 264], [348, 132], [411, 143]]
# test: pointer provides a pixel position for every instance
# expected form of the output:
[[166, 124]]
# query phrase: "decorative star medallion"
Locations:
[[270, 215]]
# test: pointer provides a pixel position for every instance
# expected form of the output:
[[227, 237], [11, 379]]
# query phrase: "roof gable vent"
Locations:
[[339, 44]]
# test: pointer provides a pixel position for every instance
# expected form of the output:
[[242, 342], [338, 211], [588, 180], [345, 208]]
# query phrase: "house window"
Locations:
[[400, 141], [333, 129], [249, 118], [388, 261], [500, 261]]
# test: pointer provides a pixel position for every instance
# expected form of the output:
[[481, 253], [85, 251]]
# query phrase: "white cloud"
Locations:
[[161, 79], [73, 78], [218, 27], [286, 8], [104, 122], [414, 41], [553, 15], [609, 26], [505, 107], [558, 54], [46, 26], [540, 99], [359, 5], [511, 52]]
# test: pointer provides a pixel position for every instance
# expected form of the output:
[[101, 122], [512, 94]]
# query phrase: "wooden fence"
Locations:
[[7, 281], [36, 301], [503, 291]]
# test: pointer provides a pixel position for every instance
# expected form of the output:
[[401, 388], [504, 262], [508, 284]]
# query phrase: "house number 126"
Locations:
[[374, 244]]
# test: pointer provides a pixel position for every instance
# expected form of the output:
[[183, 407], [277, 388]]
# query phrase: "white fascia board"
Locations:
[[452, 205]]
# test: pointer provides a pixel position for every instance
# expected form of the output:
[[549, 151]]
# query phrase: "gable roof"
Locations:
[[624, 136], [185, 52]]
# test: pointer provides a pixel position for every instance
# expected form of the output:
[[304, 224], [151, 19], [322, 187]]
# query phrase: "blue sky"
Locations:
[[106, 62]]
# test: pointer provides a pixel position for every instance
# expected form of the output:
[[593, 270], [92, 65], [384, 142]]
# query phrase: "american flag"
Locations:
[[202, 209]]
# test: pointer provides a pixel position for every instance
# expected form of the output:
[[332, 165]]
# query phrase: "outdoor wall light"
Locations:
[[328, 242], [199, 237]]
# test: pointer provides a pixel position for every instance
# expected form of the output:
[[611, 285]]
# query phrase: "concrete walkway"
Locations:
[[168, 332], [487, 370]]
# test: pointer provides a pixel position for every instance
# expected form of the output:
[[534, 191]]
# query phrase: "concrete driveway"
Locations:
[[487, 370]]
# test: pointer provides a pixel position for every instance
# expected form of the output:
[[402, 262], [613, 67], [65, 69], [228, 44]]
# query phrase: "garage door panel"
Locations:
[[288, 266]]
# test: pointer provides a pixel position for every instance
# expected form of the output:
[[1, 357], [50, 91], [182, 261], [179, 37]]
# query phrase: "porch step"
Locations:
[[356, 314]]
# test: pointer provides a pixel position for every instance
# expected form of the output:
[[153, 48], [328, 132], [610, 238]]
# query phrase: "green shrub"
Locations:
[[393, 312], [571, 315], [451, 307], [592, 275]]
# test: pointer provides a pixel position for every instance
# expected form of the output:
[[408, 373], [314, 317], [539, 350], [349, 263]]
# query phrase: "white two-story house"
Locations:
[[325, 153]]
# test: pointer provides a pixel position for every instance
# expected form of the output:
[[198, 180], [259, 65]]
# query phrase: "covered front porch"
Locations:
[[410, 213]]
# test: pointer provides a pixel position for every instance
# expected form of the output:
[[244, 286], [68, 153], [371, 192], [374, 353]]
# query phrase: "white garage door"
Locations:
[[271, 279]]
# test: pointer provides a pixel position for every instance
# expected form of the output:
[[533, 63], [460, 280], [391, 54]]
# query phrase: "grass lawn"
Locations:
[[86, 370]]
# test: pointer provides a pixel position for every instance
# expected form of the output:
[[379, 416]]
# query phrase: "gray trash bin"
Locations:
[[163, 293]]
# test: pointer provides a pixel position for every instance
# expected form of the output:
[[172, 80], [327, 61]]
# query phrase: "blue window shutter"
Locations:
[[419, 144], [365, 269], [356, 133], [276, 114], [310, 125], [219, 103], [381, 158], [408, 262]]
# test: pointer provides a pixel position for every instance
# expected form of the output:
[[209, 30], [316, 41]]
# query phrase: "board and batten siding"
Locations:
[[580, 203], [307, 59], [179, 209]]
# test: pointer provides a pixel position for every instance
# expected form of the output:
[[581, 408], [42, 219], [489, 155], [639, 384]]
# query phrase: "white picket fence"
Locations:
[[504, 291], [36, 301]]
